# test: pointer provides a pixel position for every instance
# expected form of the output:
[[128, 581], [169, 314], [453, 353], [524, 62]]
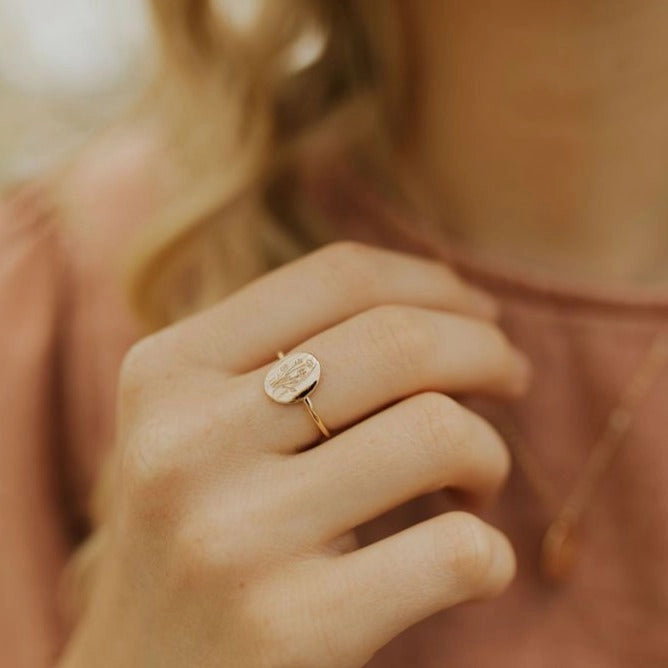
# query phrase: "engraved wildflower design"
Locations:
[[294, 377], [292, 373]]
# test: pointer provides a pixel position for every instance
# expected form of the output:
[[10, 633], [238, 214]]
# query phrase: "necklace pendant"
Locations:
[[558, 551]]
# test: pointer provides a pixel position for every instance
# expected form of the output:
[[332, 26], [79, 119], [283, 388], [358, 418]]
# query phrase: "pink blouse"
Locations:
[[65, 328]]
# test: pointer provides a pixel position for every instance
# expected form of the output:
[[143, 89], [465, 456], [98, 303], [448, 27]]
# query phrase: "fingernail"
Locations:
[[486, 305]]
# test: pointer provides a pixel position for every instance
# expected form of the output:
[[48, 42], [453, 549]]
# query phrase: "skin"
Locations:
[[539, 131], [232, 542]]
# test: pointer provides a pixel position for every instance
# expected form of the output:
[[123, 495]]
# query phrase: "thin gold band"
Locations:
[[308, 405]]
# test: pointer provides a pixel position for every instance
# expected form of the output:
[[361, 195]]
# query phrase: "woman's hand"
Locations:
[[231, 542]]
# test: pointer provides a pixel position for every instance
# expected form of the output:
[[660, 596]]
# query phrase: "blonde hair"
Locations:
[[238, 114], [238, 111]]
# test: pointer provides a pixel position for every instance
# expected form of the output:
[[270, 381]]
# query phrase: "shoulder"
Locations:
[[64, 235], [100, 196], [111, 190]]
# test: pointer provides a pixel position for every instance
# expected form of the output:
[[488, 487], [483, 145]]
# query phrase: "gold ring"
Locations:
[[292, 379]]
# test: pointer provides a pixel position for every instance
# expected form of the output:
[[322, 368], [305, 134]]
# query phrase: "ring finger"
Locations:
[[376, 359]]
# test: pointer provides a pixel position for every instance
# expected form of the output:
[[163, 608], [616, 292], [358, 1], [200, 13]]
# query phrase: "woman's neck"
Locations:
[[540, 129]]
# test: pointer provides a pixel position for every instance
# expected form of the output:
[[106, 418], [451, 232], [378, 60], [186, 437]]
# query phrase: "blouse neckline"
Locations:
[[384, 216]]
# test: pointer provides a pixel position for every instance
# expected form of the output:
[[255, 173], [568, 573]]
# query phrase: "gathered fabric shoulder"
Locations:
[[32, 522]]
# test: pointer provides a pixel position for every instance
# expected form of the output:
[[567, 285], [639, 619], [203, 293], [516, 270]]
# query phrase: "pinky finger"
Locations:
[[394, 583]]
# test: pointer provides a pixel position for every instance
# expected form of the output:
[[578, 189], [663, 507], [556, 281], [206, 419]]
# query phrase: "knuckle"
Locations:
[[202, 560], [443, 429], [151, 477], [137, 366], [470, 552], [233, 533], [397, 332]]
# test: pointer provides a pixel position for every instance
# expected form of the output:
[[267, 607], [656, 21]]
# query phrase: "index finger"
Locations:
[[313, 293]]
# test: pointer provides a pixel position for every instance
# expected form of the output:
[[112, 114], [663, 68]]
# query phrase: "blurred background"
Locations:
[[66, 69]]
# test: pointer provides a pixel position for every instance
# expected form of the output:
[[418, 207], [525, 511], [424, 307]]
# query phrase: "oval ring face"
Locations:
[[292, 378]]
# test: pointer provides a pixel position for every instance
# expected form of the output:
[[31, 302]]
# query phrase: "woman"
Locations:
[[517, 150]]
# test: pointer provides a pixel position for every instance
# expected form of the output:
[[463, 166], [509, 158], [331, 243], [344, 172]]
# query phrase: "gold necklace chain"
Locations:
[[558, 548]]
